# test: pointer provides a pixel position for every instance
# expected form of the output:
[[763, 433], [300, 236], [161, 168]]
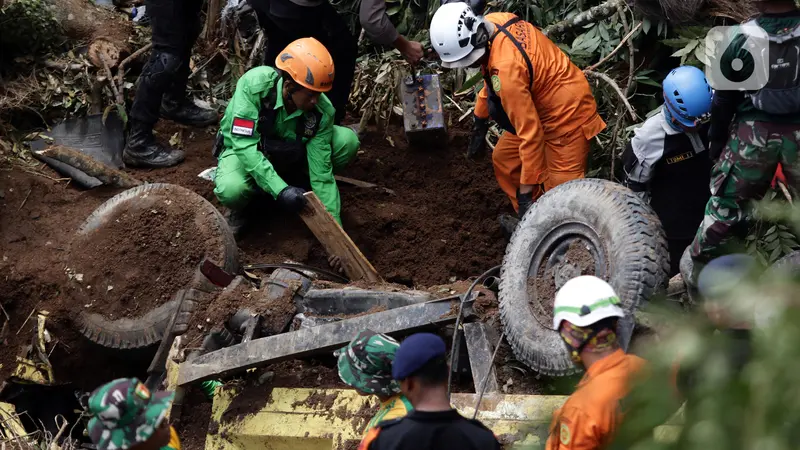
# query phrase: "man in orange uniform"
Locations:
[[585, 314], [532, 90]]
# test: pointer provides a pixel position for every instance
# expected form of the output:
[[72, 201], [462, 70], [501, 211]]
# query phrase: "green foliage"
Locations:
[[28, 27]]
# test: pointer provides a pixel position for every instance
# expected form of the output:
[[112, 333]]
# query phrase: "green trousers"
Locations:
[[234, 187], [743, 174]]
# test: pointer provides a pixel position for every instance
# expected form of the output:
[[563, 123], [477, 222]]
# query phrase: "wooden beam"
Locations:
[[335, 241], [319, 339]]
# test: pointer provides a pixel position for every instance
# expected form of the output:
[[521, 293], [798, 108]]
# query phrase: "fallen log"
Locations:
[[90, 166]]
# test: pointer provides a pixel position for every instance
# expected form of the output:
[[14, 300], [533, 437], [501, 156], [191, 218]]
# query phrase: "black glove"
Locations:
[[477, 141], [292, 198], [715, 149], [525, 201]]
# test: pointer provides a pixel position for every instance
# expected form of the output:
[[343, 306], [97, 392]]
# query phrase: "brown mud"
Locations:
[[440, 225]]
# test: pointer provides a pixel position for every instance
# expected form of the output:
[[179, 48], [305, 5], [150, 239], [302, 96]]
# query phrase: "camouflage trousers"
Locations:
[[743, 174]]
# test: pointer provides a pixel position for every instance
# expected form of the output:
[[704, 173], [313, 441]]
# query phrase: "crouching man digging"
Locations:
[[278, 137]]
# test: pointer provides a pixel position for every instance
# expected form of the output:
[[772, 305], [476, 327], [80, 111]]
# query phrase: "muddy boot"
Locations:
[[142, 149], [508, 224], [237, 221], [177, 108]]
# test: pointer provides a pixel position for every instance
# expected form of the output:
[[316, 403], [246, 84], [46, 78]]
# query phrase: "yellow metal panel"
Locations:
[[11, 427], [335, 419]]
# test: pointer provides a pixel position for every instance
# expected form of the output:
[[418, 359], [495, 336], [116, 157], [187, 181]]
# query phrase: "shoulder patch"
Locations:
[[565, 436], [496, 83], [242, 127]]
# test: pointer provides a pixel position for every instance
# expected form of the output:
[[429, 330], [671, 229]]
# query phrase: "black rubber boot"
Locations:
[[237, 221], [142, 149], [178, 108], [508, 224]]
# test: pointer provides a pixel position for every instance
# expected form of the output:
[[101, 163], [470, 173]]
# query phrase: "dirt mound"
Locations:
[[441, 223], [144, 253]]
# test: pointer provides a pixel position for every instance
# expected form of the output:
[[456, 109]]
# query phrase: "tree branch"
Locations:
[[616, 88], [121, 71], [591, 15], [614, 52]]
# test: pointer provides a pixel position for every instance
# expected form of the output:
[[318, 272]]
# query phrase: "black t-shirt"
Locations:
[[421, 430]]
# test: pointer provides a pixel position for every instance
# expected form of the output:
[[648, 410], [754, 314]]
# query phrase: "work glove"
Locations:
[[525, 201], [477, 141], [292, 198]]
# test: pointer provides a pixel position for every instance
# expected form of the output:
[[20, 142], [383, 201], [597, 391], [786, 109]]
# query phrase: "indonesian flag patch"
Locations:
[[242, 127]]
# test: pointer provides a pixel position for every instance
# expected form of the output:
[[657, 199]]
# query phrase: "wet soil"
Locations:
[[142, 254], [440, 224], [194, 421], [577, 260]]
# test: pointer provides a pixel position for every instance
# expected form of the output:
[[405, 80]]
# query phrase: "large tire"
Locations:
[[148, 329], [609, 222]]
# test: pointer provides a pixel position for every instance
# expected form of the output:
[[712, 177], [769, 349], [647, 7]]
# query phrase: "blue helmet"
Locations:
[[687, 96]]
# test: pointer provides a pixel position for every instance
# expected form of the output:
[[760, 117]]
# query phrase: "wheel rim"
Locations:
[[566, 252]]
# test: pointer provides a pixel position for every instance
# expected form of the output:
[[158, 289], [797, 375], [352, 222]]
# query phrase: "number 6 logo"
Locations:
[[739, 57]]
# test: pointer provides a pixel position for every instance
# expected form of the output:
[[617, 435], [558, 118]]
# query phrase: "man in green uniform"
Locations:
[[366, 365], [126, 415], [277, 135], [766, 131]]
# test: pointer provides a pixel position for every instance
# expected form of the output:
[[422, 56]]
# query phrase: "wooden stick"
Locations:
[[785, 192], [23, 204], [362, 184], [335, 241], [121, 70], [111, 81], [90, 166], [616, 88], [614, 52]]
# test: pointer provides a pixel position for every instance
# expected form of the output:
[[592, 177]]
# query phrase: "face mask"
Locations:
[[578, 339]]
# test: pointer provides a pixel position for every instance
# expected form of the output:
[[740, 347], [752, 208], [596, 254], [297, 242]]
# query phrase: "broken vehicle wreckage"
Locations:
[[294, 313]]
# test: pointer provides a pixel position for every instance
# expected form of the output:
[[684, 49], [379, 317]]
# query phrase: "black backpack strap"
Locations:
[[504, 29], [266, 116]]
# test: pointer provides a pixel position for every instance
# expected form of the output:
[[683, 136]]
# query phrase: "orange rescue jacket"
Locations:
[[553, 101], [589, 417]]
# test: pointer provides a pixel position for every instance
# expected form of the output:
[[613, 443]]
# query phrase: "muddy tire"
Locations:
[[623, 243], [148, 329]]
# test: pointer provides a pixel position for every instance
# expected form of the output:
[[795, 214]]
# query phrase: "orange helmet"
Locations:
[[309, 64]]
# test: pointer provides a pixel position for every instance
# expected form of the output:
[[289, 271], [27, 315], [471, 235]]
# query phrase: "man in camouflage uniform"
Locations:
[[125, 415], [766, 131], [366, 365]]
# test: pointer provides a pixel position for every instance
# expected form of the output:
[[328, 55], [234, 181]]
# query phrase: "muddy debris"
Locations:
[[143, 254], [250, 398], [318, 400]]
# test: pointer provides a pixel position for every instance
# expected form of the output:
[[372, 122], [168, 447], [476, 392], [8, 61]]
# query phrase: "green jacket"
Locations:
[[245, 105]]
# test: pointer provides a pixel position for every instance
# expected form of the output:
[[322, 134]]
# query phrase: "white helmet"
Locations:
[[458, 35], [585, 300]]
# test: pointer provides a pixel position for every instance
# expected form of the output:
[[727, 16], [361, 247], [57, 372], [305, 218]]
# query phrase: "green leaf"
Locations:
[[686, 50], [676, 43], [393, 10], [603, 32], [646, 25], [775, 255], [649, 82], [122, 114], [470, 83], [772, 229]]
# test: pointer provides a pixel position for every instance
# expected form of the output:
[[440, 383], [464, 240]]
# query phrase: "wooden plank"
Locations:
[[322, 338], [335, 241], [480, 350]]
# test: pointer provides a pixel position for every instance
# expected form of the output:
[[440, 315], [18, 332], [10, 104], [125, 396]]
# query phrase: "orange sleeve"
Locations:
[[372, 434], [482, 104], [518, 104], [573, 430]]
